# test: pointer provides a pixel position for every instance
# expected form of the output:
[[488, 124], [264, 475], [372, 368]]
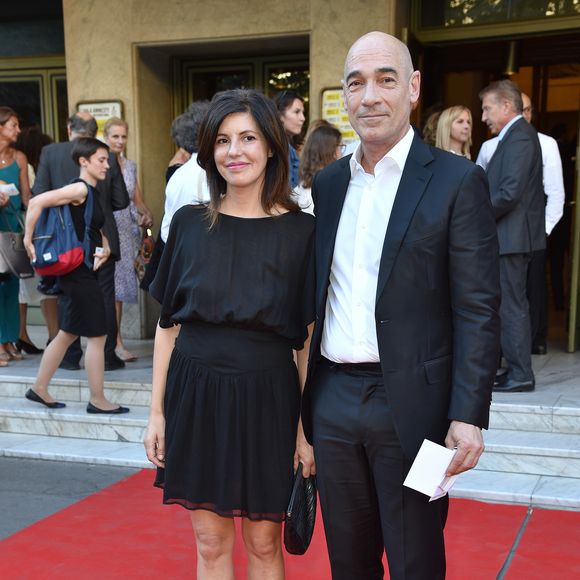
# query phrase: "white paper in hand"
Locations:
[[427, 474], [9, 188]]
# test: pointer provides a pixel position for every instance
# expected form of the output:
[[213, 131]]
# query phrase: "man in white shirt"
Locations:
[[406, 337], [186, 186], [554, 190]]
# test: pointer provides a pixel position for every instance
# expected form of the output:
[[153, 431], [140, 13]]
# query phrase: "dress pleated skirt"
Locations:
[[232, 404]]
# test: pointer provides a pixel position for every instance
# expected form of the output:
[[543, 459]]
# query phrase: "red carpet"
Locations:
[[125, 532], [550, 548]]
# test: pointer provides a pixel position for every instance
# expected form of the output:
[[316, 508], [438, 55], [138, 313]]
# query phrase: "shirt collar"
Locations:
[[502, 133], [398, 154]]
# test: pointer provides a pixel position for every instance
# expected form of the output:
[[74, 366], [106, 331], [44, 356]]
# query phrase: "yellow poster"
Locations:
[[333, 111]]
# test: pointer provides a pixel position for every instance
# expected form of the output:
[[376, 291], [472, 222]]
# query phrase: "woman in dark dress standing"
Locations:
[[236, 288], [81, 308]]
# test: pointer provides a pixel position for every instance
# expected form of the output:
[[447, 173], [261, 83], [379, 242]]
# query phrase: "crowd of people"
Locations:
[[340, 343]]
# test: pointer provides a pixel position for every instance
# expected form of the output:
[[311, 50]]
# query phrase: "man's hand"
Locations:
[[469, 442]]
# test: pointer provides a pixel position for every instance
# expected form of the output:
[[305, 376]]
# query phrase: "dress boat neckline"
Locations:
[[266, 217]]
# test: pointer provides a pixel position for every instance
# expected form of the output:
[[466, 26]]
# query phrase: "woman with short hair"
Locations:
[[81, 307]]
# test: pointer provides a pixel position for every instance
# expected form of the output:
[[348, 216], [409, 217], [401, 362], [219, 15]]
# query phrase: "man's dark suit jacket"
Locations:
[[56, 169], [517, 193], [437, 295]]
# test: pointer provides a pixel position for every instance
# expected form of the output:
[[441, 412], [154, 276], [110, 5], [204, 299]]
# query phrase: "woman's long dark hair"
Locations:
[[276, 190]]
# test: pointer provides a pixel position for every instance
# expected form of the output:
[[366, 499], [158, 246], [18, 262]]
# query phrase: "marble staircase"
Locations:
[[532, 452], [71, 434]]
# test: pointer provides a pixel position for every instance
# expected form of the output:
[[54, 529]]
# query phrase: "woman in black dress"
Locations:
[[81, 308], [236, 292]]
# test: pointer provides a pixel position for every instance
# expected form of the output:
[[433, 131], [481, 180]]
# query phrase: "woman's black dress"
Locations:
[[243, 294], [81, 308]]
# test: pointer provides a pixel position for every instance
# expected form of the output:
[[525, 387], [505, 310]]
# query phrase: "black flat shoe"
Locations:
[[118, 411], [28, 347], [32, 396]]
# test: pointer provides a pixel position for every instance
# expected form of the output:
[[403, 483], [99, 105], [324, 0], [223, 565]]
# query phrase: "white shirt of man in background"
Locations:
[[186, 186]]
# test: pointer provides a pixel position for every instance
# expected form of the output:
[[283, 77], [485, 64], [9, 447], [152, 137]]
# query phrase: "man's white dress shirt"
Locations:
[[187, 185], [349, 334]]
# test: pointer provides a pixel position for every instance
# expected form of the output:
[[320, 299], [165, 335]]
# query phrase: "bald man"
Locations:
[[406, 339]]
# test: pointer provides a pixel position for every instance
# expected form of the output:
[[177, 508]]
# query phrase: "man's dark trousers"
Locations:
[[516, 341], [357, 450], [538, 298]]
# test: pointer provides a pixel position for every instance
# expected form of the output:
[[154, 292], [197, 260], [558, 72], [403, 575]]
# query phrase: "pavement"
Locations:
[[33, 489]]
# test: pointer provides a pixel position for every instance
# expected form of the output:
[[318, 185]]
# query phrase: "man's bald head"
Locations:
[[380, 90], [527, 108], [380, 40], [81, 124]]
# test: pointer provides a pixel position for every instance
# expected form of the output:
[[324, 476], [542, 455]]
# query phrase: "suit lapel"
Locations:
[[502, 142], [326, 237], [411, 189]]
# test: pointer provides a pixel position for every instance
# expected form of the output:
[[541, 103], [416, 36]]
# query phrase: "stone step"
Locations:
[[560, 418], [18, 415], [516, 488], [71, 449], [524, 452], [77, 390]]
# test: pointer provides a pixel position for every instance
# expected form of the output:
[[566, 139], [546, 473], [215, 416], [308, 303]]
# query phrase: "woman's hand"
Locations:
[[145, 218], [304, 454], [29, 247], [101, 255], [154, 440]]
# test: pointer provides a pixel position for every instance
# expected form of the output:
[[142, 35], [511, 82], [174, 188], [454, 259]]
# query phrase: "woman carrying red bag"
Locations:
[[81, 306]]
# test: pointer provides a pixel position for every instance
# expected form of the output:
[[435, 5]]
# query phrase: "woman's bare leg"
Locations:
[[95, 368], [214, 537], [49, 309], [52, 357], [264, 547], [120, 349]]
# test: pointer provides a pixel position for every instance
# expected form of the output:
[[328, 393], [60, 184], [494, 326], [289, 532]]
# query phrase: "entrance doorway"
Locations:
[[36, 89], [197, 81], [548, 70]]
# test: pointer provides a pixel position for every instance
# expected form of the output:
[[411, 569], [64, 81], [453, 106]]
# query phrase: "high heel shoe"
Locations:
[[35, 398], [28, 347]]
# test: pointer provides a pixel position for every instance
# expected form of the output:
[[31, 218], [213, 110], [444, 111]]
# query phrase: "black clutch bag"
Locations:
[[301, 514]]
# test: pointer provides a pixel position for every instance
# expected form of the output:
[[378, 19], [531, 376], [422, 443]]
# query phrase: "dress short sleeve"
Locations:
[[167, 281]]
